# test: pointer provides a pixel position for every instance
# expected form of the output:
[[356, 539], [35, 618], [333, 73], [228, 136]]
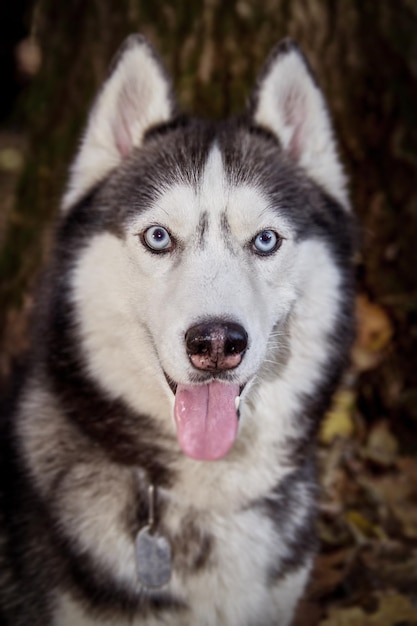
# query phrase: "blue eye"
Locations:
[[266, 242], [158, 239]]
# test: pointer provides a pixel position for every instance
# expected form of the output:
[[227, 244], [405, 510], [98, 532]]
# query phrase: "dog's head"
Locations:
[[213, 255]]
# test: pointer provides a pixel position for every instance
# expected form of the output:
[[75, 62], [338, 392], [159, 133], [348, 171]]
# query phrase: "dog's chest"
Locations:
[[220, 574]]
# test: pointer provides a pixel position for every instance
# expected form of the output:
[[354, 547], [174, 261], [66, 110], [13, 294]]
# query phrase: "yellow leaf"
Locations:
[[338, 422], [364, 525]]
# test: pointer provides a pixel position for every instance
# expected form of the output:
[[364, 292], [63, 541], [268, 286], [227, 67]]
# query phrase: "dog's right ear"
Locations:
[[136, 96]]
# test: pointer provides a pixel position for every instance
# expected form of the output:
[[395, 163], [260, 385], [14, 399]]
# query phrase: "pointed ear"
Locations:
[[288, 102], [136, 96]]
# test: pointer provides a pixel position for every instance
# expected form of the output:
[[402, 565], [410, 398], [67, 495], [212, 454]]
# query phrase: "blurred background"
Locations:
[[53, 57]]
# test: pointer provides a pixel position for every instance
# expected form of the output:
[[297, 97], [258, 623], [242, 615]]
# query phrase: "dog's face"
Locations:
[[213, 256], [208, 239]]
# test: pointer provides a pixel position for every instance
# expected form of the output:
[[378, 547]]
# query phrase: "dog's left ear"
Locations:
[[288, 102], [136, 96]]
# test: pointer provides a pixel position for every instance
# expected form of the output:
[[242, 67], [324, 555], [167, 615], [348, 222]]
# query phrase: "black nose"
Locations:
[[216, 345]]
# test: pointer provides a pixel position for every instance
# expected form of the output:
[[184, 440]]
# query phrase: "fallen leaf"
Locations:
[[382, 447], [393, 609], [339, 422], [364, 526], [398, 491], [392, 564], [374, 333]]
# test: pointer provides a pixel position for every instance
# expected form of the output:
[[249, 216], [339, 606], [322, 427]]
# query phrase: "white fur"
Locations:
[[233, 594], [135, 97], [293, 107], [220, 605]]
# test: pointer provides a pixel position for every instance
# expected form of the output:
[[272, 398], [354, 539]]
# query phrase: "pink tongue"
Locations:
[[206, 419]]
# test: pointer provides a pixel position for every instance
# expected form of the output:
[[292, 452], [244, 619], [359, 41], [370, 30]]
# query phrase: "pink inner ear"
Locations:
[[295, 116], [122, 124], [122, 139]]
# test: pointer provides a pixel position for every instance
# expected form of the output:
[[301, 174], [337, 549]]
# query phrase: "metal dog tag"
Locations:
[[153, 552]]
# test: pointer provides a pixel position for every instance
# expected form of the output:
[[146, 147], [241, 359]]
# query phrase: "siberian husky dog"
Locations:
[[158, 464]]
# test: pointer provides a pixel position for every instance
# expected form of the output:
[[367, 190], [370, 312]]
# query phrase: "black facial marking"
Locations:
[[226, 232], [202, 229]]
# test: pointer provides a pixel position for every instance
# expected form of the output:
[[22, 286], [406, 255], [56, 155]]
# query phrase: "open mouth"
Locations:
[[173, 385], [206, 417]]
